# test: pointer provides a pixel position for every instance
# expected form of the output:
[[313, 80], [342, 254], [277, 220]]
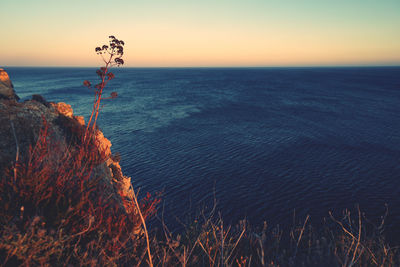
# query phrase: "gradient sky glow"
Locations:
[[202, 33]]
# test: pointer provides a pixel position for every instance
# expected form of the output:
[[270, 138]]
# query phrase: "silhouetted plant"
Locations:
[[112, 56]]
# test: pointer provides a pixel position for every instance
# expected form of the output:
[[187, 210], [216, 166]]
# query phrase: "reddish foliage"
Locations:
[[62, 186]]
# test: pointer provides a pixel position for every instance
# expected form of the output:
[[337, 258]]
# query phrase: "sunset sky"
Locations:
[[202, 33]]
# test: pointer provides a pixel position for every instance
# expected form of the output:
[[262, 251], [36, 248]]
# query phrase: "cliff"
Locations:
[[27, 119], [60, 188]]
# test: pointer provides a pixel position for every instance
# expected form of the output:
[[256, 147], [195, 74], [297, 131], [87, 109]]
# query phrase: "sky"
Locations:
[[202, 33]]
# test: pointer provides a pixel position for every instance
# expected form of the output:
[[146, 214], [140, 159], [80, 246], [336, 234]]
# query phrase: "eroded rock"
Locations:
[[6, 87], [63, 109]]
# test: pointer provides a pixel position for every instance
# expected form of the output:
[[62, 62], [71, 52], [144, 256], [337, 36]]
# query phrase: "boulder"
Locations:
[[6, 87], [63, 109]]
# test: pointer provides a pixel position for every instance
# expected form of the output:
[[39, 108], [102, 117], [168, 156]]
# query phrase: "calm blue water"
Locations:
[[267, 141]]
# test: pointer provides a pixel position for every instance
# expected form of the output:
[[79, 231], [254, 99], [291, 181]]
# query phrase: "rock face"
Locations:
[[21, 124], [6, 87]]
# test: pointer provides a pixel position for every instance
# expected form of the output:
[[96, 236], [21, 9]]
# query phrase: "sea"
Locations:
[[261, 144]]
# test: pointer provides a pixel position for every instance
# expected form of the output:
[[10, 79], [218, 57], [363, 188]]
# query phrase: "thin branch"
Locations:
[[359, 236], [144, 226], [237, 242], [302, 230]]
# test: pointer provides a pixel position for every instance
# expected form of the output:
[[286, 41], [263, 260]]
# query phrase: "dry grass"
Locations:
[[56, 209], [207, 241]]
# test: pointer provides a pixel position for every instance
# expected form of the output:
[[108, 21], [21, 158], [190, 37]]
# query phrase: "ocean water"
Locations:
[[264, 142]]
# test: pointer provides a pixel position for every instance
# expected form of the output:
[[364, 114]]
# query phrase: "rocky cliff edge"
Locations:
[[20, 127], [6, 87]]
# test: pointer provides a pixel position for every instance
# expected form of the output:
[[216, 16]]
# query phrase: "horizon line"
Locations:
[[212, 67]]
